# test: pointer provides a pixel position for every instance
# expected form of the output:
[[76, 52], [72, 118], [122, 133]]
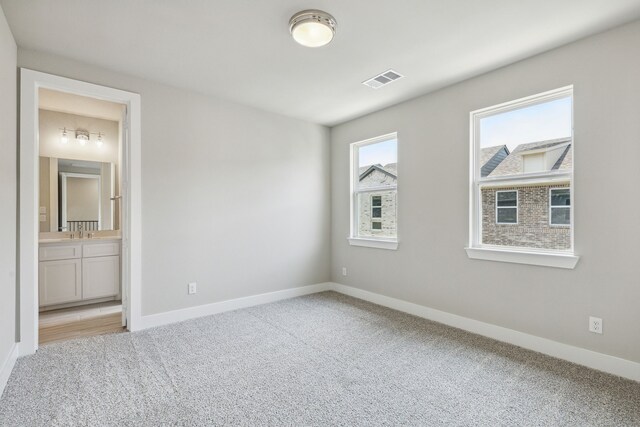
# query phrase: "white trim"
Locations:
[[378, 243], [354, 174], [7, 367], [517, 256], [581, 356], [174, 316], [475, 249], [535, 178], [527, 101], [376, 189], [30, 82]]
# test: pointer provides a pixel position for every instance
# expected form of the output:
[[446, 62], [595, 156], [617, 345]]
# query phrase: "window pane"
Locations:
[[560, 216], [377, 164], [528, 147], [560, 197], [376, 221], [376, 200], [530, 139], [507, 198], [507, 215]]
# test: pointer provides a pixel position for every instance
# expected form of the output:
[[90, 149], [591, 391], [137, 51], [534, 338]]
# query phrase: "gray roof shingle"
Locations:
[[491, 157], [512, 164]]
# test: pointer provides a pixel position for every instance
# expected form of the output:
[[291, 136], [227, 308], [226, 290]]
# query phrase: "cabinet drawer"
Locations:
[[56, 252], [100, 249]]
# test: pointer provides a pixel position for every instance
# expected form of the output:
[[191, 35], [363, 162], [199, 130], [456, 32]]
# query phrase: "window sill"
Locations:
[[373, 243], [547, 259]]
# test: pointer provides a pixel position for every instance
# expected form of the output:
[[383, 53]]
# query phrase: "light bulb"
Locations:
[[82, 141], [99, 141], [312, 34], [64, 138]]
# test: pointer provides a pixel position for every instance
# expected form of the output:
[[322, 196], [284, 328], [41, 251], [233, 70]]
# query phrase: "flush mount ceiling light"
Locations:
[[312, 28]]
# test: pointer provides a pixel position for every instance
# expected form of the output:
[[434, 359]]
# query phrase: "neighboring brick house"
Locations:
[[534, 213], [377, 215]]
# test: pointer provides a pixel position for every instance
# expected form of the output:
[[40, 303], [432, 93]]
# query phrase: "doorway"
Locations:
[[80, 142], [79, 262]]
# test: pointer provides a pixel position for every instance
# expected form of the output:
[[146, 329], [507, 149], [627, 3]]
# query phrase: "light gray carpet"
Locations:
[[323, 359]]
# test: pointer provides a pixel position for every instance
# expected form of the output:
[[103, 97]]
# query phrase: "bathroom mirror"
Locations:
[[77, 195]]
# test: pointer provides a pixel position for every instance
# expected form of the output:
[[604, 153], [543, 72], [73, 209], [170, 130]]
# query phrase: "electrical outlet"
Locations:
[[595, 325], [193, 288], [344, 271]]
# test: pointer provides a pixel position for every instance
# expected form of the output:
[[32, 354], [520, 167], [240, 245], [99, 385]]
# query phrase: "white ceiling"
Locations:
[[241, 49], [79, 105]]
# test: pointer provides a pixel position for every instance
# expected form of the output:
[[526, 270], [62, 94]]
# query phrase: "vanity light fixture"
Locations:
[[312, 28], [64, 138], [83, 136]]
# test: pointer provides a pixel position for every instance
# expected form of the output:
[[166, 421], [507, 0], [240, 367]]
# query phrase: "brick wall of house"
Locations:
[[388, 221], [388, 215], [533, 229]]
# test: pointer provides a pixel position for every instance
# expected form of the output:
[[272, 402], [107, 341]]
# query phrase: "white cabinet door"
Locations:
[[60, 281], [100, 277]]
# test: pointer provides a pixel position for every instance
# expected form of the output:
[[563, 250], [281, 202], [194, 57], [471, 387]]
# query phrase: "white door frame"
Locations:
[[30, 82]]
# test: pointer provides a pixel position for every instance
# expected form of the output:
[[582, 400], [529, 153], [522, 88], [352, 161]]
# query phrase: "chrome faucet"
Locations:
[[80, 232]]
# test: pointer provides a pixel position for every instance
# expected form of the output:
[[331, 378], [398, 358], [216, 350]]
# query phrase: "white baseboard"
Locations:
[[602, 362], [7, 367], [165, 318]]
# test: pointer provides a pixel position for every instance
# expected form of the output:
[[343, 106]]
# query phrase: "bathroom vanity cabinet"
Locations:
[[78, 271]]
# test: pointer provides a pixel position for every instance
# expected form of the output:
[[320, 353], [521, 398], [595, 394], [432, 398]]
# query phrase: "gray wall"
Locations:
[[8, 188], [431, 267], [234, 198]]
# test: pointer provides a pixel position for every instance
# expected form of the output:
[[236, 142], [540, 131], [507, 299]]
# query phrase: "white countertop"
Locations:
[[76, 240]]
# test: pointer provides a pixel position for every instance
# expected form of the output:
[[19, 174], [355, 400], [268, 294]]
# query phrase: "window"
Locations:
[[374, 192], [521, 177], [560, 206], [506, 207], [376, 206]]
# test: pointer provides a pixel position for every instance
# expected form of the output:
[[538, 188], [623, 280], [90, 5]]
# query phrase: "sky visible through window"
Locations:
[[549, 120], [381, 153]]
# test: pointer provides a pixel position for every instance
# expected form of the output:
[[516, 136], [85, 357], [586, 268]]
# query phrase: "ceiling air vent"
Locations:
[[383, 79]]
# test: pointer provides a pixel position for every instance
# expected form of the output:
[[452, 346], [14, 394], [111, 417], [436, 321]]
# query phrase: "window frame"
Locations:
[[551, 207], [476, 249], [508, 207], [368, 241], [376, 207]]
